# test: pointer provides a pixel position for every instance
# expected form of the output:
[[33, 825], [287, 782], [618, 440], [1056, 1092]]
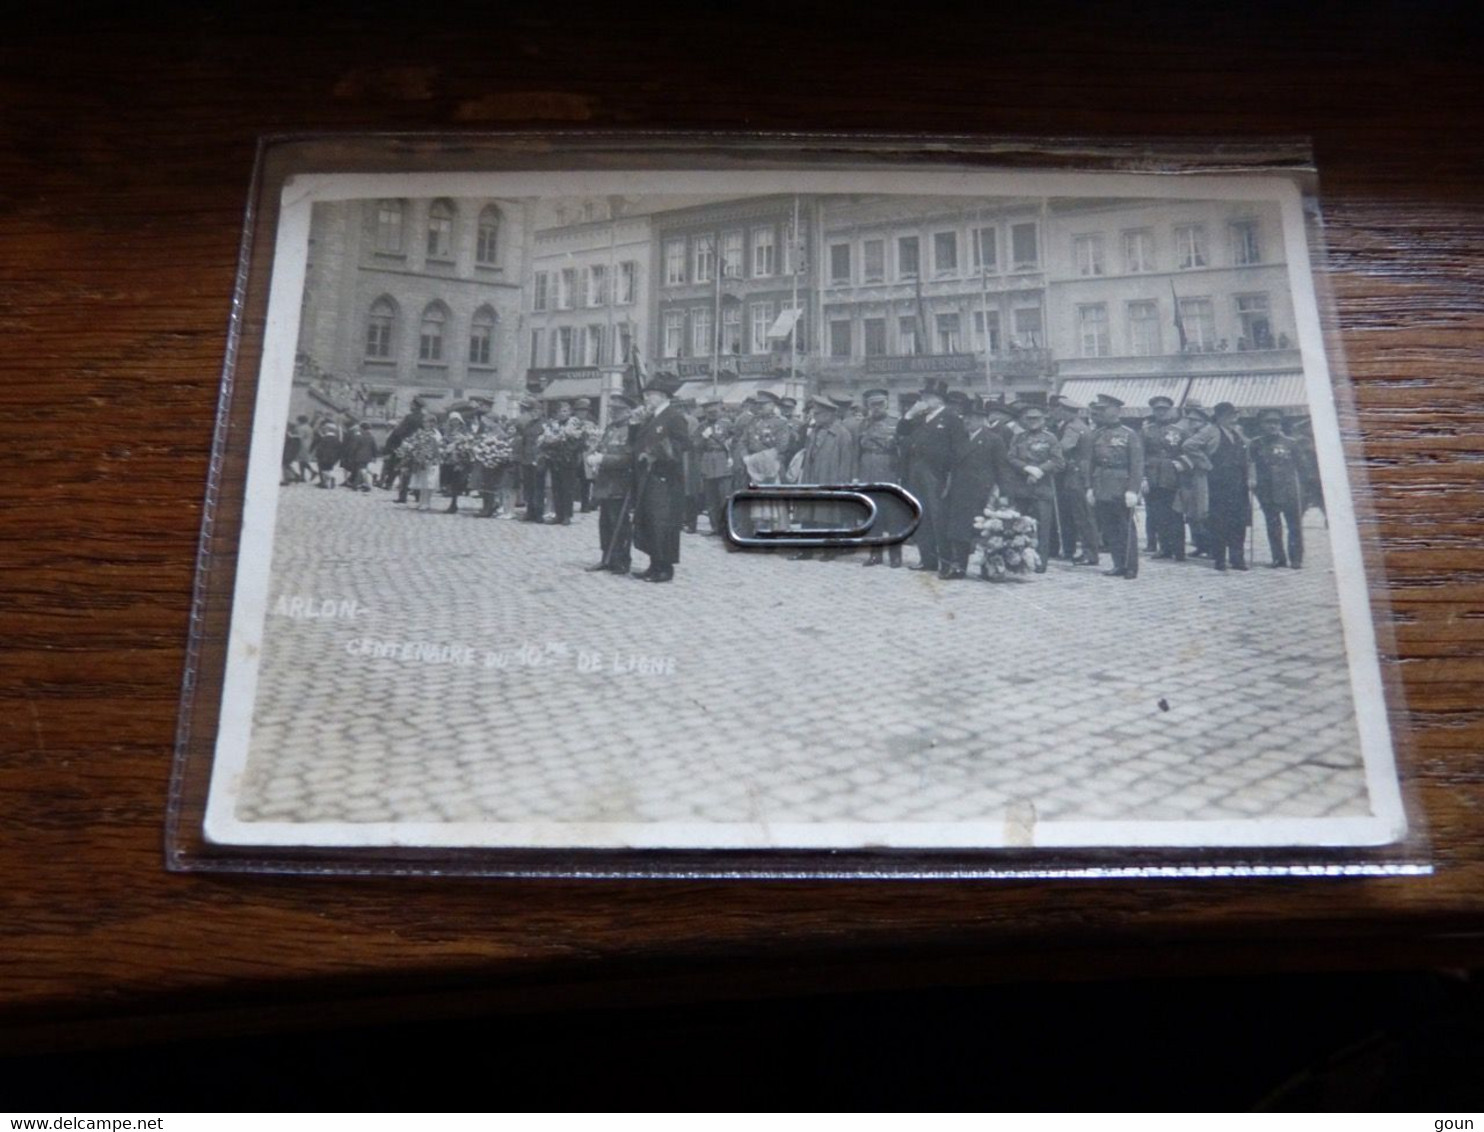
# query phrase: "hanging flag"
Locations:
[[922, 345], [1179, 322]]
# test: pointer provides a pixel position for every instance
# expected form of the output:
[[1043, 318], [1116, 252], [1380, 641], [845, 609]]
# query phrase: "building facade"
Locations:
[[410, 298]]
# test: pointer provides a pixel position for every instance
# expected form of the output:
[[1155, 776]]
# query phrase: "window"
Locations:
[[731, 328], [701, 329], [945, 253], [875, 331], [482, 337], [628, 275], [430, 334], [906, 335], [535, 347], [379, 329], [839, 263], [986, 250], [674, 263], [487, 242], [764, 252], [561, 346], [987, 332], [1198, 318], [625, 343], [1025, 247], [948, 334], [440, 230], [1029, 334], [538, 291], [840, 338], [566, 288], [1138, 251], [597, 285], [1246, 248], [731, 255], [1143, 329], [762, 322], [1190, 246], [907, 266], [592, 354], [1257, 329], [674, 332], [1092, 330], [1087, 254], [703, 259], [873, 261], [389, 215]]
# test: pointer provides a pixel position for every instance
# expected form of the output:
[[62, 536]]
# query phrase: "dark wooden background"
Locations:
[[126, 146]]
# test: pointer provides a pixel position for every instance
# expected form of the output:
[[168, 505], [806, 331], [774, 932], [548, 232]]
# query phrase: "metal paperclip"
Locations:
[[826, 537]]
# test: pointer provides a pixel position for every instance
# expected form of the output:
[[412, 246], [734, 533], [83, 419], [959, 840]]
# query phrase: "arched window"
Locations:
[[487, 246], [440, 230], [379, 326], [430, 334], [482, 337]]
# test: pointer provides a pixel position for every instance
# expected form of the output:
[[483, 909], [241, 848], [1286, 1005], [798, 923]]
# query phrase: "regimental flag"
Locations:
[[921, 343], [1179, 322], [635, 378]]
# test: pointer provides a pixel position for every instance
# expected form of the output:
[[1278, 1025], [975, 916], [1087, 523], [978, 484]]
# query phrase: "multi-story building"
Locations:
[[407, 298], [587, 298], [732, 300], [916, 287], [1183, 298]]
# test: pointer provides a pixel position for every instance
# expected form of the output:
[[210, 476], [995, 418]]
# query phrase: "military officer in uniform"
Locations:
[[877, 459], [768, 439], [713, 439], [659, 447], [1074, 516], [1113, 466], [1277, 465], [1035, 457], [1163, 434], [610, 467], [931, 440]]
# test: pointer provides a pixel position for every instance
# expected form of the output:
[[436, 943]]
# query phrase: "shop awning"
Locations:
[[1252, 390], [566, 386], [1134, 392], [736, 391]]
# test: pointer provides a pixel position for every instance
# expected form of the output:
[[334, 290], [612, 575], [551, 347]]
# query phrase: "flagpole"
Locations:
[[716, 320], [793, 337], [984, 301]]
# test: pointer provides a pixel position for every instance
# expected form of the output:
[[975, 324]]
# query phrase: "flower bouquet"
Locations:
[[1007, 542], [565, 441], [422, 449], [458, 450], [491, 450]]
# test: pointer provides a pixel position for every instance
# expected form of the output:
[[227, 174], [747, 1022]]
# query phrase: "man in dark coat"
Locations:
[[1226, 485], [391, 469], [829, 458], [1113, 466], [931, 440], [659, 447], [1277, 465], [529, 429], [610, 467], [877, 461], [562, 459], [713, 441], [360, 450], [1035, 457], [978, 473]]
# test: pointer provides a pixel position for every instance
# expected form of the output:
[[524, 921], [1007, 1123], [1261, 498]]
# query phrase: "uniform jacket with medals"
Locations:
[[1034, 450], [981, 468], [713, 440], [614, 461], [1277, 465], [1070, 434], [878, 450], [660, 445], [1162, 444], [1112, 462]]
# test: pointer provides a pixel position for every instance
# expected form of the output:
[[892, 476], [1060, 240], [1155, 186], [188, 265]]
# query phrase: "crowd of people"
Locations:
[[1056, 479]]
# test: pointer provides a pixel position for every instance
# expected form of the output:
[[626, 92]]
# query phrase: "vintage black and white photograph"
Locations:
[[487, 595]]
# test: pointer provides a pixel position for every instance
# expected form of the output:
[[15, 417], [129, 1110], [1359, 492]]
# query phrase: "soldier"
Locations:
[[767, 439], [980, 470], [740, 425], [610, 468], [713, 440], [1231, 509], [659, 447], [1113, 467], [876, 460], [798, 430], [695, 488], [563, 459], [829, 458], [530, 428], [1035, 457], [1277, 464], [1163, 434], [1075, 526], [931, 440], [1193, 499]]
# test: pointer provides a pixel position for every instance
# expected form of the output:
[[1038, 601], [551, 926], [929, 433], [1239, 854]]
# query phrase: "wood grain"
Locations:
[[125, 155]]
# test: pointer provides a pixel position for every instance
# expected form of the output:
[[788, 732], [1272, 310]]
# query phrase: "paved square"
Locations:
[[437, 668]]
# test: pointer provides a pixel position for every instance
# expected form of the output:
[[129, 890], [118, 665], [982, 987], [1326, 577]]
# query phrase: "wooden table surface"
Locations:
[[126, 146]]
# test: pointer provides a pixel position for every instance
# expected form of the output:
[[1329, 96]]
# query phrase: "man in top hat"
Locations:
[[610, 467], [1193, 498], [980, 470], [1163, 435], [829, 458], [659, 447], [1113, 466], [713, 442], [876, 456], [931, 439], [1035, 458], [1076, 531], [1225, 448], [1277, 466], [529, 430]]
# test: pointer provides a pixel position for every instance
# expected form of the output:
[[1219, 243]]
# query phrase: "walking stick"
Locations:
[[1131, 549], [1061, 535]]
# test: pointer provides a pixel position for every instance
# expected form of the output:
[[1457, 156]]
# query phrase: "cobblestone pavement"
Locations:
[[758, 689]]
